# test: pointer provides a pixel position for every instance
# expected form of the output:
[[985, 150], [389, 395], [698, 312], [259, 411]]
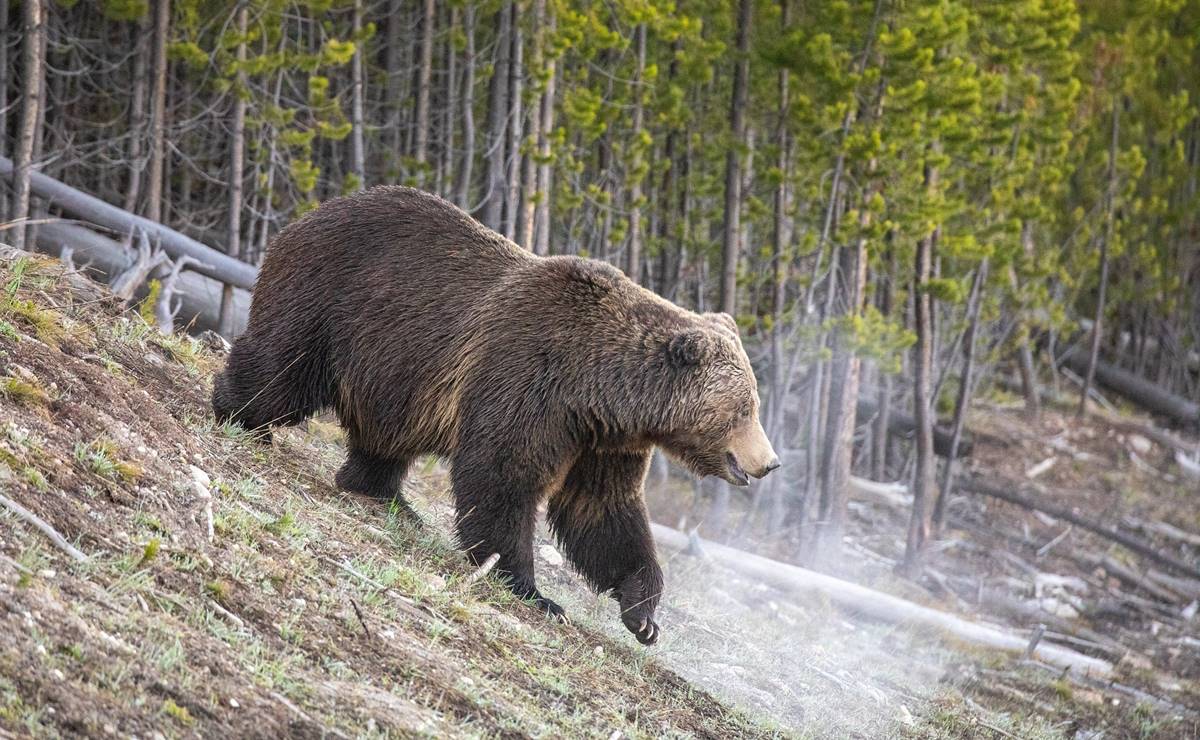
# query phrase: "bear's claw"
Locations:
[[552, 610], [648, 632]]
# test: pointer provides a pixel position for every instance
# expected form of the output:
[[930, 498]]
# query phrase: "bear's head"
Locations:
[[714, 427]]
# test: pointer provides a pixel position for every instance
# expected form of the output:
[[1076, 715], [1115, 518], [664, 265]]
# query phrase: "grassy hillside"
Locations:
[[308, 612]]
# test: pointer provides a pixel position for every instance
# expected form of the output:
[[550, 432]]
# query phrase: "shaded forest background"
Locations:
[[898, 201]]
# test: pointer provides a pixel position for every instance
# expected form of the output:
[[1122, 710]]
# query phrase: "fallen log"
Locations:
[[101, 258], [1137, 389], [881, 606], [1009, 491], [904, 425], [216, 264]]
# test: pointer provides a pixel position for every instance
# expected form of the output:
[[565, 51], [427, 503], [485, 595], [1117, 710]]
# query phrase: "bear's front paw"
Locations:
[[552, 610], [638, 599]]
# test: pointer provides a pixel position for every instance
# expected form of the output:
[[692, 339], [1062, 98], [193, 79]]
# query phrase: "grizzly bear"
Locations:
[[537, 378]]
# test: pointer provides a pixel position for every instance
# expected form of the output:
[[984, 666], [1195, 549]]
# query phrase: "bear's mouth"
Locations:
[[737, 476]]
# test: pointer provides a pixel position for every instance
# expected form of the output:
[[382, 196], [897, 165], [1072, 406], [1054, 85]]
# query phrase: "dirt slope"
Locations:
[[308, 613]]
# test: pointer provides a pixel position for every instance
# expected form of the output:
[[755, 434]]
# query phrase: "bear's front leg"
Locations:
[[496, 514], [601, 522]]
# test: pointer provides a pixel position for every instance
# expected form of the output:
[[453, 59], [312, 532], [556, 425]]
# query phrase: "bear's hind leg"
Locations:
[[378, 477], [601, 523], [495, 515]]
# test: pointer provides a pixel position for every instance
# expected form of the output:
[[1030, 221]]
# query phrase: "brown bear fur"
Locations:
[[537, 378]]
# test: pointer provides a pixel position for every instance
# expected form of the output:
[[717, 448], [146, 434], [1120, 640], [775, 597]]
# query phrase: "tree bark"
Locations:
[[395, 76], [237, 152], [733, 176], [424, 84], [33, 27], [1109, 219], [529, 166], [633, 253], [493, 203], [463, 191], [137, 115], [963, 399], [924, 491], [158, 113], [358, 152], [516, 123], [545, 172]]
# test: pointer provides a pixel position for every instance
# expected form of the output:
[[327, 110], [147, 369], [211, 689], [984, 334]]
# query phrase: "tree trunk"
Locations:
[[158, 113], [395, 76], [424, 83], [137, 115], [358, 153], [529, 166], [837, 454], [516, 122], [33, 26], [493, 203], [733, 176], [5, 71], [963, 400], [237, 150], [924, 492], [1105, 242], [463, 194], [881, 433], [633, 253], [545, 182]]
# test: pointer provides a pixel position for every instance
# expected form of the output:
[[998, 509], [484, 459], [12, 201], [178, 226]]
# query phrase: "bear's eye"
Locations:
[[744, 411]]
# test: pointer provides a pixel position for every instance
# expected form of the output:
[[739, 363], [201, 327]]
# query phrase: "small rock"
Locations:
[[550, 555], [387, 634], [1140, 444], [598, 651], [435, 582], [467, 681], [47, 573], [234, 703], [57, 675], [905, 717]]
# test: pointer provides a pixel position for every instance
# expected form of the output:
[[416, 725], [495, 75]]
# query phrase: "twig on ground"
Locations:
[[358, 613], [482, 570], [237, 621], [51, 532], [1046, 548], [16, 565]]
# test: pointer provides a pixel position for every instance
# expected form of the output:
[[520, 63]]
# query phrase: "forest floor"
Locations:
[[310, 612]]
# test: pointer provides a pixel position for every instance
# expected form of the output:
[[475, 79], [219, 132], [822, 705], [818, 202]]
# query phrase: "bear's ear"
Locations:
[[687, 348]]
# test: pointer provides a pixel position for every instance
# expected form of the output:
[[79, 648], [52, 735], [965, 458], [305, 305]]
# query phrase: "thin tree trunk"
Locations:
[[516, 123], [446, 180], [396, 101], [137, 116], [424, 83], [468, 110], [963, 400], [358, 153], [493, 204], [1109, 219], [237, 151], [33, 27], [158, 113], [529, 166], [633, 253], [880, 434], [779, 256], [545, 181], [923, 481], [733, 177]]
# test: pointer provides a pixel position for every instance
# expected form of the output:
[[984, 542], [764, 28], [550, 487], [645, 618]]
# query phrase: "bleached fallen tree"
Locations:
[[214, 264], [881, 606], [101, 258]]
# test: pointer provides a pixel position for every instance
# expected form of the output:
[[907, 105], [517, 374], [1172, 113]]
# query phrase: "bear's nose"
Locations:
[[771, 465]]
